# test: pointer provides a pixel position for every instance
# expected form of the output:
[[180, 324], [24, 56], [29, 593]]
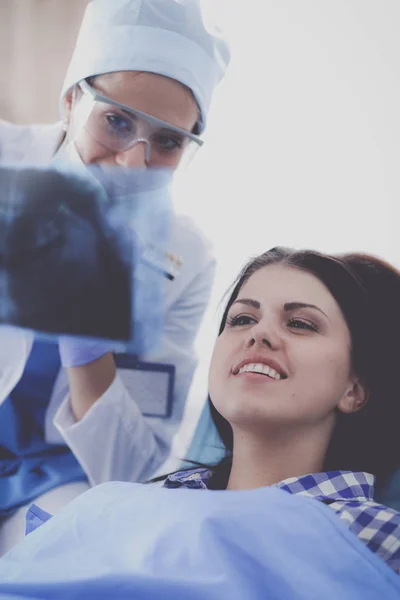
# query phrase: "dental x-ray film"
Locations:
[[86, 254]]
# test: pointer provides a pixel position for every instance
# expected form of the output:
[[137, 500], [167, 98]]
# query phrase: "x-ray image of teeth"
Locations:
[[68, 259]]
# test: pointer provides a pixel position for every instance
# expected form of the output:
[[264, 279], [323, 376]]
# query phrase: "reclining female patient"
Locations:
[[303, 388]]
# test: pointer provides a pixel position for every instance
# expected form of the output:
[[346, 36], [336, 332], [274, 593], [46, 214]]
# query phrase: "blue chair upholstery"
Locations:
[[206, 447], [390, 495]]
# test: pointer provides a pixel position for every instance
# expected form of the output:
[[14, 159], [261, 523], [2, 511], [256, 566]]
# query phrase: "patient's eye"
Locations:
[[296, 323], [240, 320]]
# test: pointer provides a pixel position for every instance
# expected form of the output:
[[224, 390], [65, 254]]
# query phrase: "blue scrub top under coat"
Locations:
[[29, 466]]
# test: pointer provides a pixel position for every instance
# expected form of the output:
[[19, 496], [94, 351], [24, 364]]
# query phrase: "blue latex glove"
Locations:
[[75, 352]]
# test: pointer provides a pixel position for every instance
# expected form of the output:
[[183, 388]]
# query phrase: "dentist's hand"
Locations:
[[91, 371], [76, 352]]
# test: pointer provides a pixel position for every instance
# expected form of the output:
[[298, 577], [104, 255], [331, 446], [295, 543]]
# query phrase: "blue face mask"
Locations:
[[68, 160]]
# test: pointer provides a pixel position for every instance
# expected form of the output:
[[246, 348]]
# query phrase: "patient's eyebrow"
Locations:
[[248, 302], [289, 306], [296, 305]]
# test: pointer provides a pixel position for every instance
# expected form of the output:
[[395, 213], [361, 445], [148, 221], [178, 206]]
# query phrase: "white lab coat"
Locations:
[[114, 441]]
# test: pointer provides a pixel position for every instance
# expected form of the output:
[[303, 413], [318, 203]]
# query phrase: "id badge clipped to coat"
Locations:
[[152, 382]]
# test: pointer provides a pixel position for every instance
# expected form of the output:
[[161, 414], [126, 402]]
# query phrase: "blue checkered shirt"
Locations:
[[349, 494]]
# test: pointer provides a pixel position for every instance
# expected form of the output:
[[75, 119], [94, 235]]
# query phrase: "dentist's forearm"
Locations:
[[87, 383]]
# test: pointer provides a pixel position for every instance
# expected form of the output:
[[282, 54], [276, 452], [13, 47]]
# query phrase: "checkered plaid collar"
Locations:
[[330, 485]]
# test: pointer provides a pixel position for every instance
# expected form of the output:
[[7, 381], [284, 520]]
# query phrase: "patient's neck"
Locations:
[[264, 460]]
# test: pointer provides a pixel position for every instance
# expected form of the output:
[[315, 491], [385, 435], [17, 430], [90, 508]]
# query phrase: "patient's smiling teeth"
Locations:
[[260, 368]]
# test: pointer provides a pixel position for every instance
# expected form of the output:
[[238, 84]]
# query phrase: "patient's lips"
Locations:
[[260, 365], [260, 369]]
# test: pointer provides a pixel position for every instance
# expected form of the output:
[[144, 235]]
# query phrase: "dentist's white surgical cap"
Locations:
[[168, 37]]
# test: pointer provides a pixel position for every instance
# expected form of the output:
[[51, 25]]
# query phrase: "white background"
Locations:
[[302, 146]]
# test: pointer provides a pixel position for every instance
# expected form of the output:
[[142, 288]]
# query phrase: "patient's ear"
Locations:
[[355, 397]]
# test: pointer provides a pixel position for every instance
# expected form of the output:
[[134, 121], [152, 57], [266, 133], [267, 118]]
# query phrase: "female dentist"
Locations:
[[71, 415]]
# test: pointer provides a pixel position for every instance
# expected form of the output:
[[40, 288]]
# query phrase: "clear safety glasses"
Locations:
[[119, 128]]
